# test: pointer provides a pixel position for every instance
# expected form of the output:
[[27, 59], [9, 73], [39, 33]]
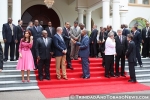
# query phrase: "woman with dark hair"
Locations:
[[25, 61]]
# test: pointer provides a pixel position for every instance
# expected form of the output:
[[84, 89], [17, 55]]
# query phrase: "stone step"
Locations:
[[13, 72], [19, 88]]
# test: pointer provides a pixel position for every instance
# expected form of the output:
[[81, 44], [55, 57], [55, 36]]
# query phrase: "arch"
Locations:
[[140, 21], [39, 2]]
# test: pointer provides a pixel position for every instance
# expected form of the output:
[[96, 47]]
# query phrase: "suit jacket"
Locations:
[[93, 36], [7, 32], [102, 36], [66, 37], [137, 39], [20, 33], [84, 46], [1, 56], [75, 33], [131, 52], [42, 50], [49, 33], [125, 32], [36, 33], [121, 47], [59, 45], [144, 33]]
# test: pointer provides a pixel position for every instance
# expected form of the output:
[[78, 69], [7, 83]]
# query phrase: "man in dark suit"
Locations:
[[84, 53], [125, 31], [50, 30], [44, 52], [1, 57], [93, 42], [121, 47], [20, 33], [137, 38], [109, 29], [36, 31], [66, 36], [10, 38], [146, 40], [60, 51], [131, 56]]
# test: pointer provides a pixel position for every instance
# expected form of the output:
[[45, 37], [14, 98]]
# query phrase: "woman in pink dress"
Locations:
[[25, 62]]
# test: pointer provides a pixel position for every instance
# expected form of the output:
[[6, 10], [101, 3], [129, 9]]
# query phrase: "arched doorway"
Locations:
[[41, 13]]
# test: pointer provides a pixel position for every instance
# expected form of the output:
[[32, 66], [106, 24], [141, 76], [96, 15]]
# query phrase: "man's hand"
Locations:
[[92, 42], [73, 40], [0, 70], [126, 57], [5, 40], [16, 41], [31, 38], [142, 41], [51, 53], [20, 55], [116, 54], [64, 51], [38, 58], [76, 39]]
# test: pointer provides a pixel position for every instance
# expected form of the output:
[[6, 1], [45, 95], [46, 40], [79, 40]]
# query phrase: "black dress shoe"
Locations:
[[117, 76], [143, 57], [141, 66], [107, 76], [132, 81], [75, 58], [82, 76], [112, 75], [86, 77], [41, 79], [12, 60], [5, 60], [47, 78], [123, 75]]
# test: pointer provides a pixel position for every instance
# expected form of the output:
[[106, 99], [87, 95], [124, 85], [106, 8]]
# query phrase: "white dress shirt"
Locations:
[[110, 47]]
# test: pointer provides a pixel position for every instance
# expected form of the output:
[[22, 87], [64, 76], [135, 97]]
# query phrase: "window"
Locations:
[[131, 1], [146, 2]]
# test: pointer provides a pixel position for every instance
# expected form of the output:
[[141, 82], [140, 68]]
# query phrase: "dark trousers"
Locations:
[[118, 57], [103, 56], [93, 49], [85, 66], [145, 50], [109, 65], [68, 59], [138, 56], [12, 49], [132, 70], [17, 49], [44, 64], [34, 56]]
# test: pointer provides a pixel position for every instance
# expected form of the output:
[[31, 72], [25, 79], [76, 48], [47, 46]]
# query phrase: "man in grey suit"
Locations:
[[75, 33]]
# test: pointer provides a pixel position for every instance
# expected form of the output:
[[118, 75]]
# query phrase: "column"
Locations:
[[116, 16], [122, 17], [106, 12], [16, 11], [4, 15], [80, 15], [88, 20]]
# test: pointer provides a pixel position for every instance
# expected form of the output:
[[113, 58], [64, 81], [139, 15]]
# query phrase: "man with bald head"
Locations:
[[36, 31], [10, 38], [43, 52], [109, 29], [146, 40], [60, 50]]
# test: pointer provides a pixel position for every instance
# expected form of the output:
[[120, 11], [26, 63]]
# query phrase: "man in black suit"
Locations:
[[66, 36], [137, 38], [10, 38], [93, 42], [20, 33], [50, 30], [125, 31], [1, 57], [36, 31], [44, 52], [121, 47], [109, 29], [146, 40], [131, 56]]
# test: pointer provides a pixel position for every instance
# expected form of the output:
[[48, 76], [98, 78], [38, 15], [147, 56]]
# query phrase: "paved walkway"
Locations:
[[37, 95]]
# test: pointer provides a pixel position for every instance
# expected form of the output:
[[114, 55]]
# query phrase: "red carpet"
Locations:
[[97, 84]]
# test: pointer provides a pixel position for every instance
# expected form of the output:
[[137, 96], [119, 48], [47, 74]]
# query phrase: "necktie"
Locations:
[[120, 39], [50, 30], [147, 28], [68, 32], [11, 26]]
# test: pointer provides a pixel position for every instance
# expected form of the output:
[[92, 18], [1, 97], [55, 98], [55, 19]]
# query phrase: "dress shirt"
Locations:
[[61, 36], [45, 41], [110, 47]]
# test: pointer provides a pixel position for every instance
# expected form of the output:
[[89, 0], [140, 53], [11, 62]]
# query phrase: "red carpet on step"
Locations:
[[97, 84]]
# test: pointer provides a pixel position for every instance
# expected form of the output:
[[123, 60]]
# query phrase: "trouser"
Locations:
[[74, 51], [132, 71], [12, 49], [93, 49], [34, 56], [85, 66], [138, 56], [118, 57], [68, 59], [145, 50], [109, 65], [60, 61], [41, 64], [17, 49]]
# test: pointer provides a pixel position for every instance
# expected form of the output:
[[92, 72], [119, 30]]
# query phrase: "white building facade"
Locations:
[[89, 12]]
